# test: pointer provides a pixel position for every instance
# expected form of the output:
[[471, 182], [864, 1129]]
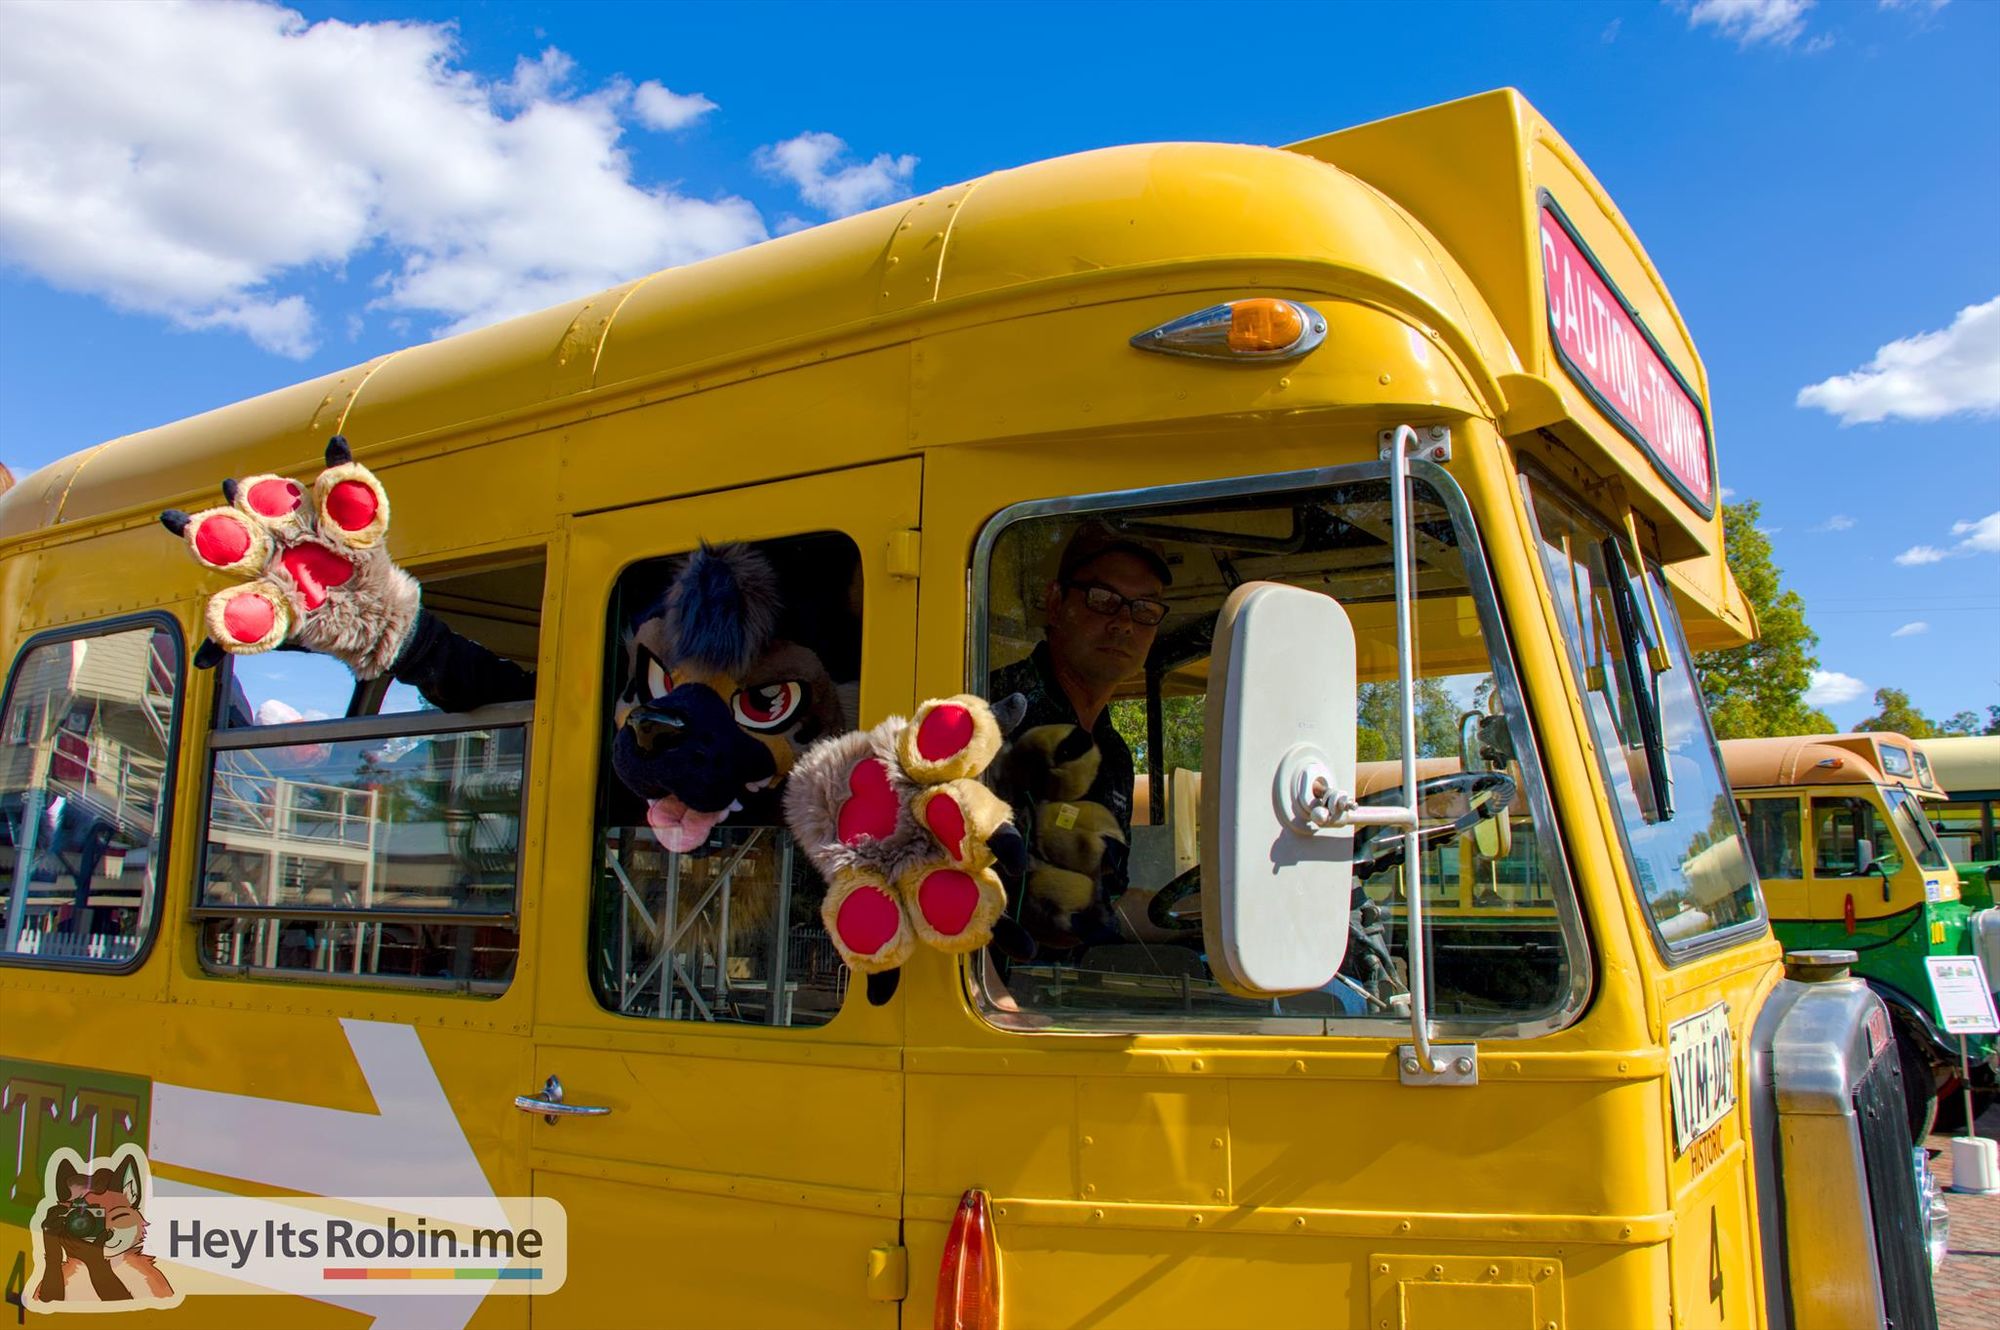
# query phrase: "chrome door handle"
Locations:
[[549, 1103]]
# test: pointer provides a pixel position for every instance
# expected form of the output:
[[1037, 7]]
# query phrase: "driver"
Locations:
[[1101, 613]]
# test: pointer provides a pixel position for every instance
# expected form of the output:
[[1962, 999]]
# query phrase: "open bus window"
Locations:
[[1127, 951], [1677, 816], [354, 832], [729, 930], [86, 781]]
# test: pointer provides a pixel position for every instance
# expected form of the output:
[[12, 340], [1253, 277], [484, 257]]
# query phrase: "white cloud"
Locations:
[[1838, 522], [1727, 493], [657, 107], [1925, 377], [1748, 22], [1610, 33], [1830, 688], [1912, 629], [1982, 536], [188, 160], [1928, 6], [809, 162]]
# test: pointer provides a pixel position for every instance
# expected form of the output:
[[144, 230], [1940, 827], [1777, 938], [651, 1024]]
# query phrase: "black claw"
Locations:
[[174, 520], [229, 491], [1010, 849], [882, 986], [337, 451], [1013, 940], [1010, 711], [208, 655]]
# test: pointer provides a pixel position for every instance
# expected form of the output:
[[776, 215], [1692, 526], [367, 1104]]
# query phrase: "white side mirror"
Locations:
[[1280, 723]]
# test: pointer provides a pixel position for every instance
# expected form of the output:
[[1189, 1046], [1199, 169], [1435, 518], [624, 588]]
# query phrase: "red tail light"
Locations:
[[1847, 912], [968, 1293]]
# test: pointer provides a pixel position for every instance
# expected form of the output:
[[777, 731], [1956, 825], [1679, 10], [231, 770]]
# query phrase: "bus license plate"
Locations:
[[1703, 1068]]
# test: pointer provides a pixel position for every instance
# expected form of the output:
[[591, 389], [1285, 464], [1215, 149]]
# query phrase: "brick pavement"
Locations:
[[1968, 1286]]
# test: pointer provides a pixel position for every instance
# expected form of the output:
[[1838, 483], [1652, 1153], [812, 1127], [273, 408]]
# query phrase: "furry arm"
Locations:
[[312, 565], [906, 837]]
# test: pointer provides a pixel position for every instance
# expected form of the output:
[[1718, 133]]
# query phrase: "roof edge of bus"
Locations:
[[1781, 761]]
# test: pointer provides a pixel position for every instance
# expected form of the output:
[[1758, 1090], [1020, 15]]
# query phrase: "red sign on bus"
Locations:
[[1612, 357]]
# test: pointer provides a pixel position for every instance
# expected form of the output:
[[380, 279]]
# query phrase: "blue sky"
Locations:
[[200, 204]]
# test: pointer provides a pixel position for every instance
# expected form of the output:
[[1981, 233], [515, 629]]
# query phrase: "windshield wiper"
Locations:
[[1643, 679]]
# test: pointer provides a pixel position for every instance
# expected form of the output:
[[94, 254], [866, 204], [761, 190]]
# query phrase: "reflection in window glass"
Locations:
[[1113, 893], [1895, 760], [327, 856], [1777, 846], [85, 772], [1675, 807], [1908, 814]]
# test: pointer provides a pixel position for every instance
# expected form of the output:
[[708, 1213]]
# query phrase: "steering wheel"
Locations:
[[1162, 910], [1486, 794]]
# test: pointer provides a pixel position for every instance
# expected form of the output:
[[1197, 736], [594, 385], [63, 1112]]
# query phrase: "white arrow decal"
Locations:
[[411, 1145]]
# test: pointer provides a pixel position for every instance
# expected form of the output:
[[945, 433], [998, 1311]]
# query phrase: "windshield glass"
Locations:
[[1916, 828], [1675, 808], [1122, 594]]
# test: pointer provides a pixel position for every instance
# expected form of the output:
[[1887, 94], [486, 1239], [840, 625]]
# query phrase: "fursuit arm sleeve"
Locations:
[[455, 673]]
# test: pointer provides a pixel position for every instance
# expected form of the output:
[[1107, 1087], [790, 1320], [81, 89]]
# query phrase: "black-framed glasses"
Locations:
[[1101, 599]]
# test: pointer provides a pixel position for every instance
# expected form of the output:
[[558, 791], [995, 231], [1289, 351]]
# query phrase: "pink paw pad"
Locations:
[[945, 732], [867, 920], [948, 898], [869, 813], [316, 571], [222, 540], [274, 497], [351, 505], [946, 821]]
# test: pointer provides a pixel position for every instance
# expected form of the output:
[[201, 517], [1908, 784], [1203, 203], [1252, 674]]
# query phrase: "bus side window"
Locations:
[[356, 834], [86, 784], [727, 931], [1776, 844]]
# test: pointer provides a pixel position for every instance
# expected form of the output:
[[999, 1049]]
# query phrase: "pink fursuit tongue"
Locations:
[[679, 827]]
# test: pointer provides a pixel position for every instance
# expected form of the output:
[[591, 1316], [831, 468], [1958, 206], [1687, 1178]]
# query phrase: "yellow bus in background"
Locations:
[[290, 935]]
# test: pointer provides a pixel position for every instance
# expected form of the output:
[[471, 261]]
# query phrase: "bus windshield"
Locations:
[[1916, 828]]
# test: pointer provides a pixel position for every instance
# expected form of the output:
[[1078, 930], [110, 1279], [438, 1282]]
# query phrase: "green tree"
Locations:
[[1379, 727], [1894, 712], [1969, 722], [1758, 690]]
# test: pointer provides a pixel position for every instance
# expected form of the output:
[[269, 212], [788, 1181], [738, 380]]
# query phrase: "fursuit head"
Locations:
[[718, 707]]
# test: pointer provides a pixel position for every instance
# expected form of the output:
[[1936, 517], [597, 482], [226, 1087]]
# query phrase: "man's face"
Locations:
[[1106, 649]]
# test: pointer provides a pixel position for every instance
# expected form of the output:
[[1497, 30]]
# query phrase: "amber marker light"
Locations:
[[1259, 328]]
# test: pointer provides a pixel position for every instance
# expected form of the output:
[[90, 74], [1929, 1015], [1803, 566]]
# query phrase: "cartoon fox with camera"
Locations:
[[91, 1234]]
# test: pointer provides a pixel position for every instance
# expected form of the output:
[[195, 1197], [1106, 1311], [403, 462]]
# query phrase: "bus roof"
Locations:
[[1965, 766], [1440, 217], [1867, 758]]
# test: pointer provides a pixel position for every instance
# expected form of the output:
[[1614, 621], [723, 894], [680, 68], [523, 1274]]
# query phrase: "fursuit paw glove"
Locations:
[[314, 566], [908, 840]]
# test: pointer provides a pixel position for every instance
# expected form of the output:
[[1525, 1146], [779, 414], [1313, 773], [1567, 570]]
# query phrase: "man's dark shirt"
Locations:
[[1035, 679]]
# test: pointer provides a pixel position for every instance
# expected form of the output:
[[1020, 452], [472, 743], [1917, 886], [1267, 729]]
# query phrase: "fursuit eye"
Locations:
[[767, 706], [658, 682]]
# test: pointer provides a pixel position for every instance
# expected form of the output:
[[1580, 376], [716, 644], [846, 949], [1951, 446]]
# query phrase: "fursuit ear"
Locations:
[[722, 608]]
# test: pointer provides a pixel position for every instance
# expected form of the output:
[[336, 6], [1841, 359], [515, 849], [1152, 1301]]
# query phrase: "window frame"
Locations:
[[383, 726], [1533, 478], [169, 779], [1485, 595]]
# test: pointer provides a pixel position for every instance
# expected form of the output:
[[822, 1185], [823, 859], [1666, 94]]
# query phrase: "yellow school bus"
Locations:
[[289, 935]]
